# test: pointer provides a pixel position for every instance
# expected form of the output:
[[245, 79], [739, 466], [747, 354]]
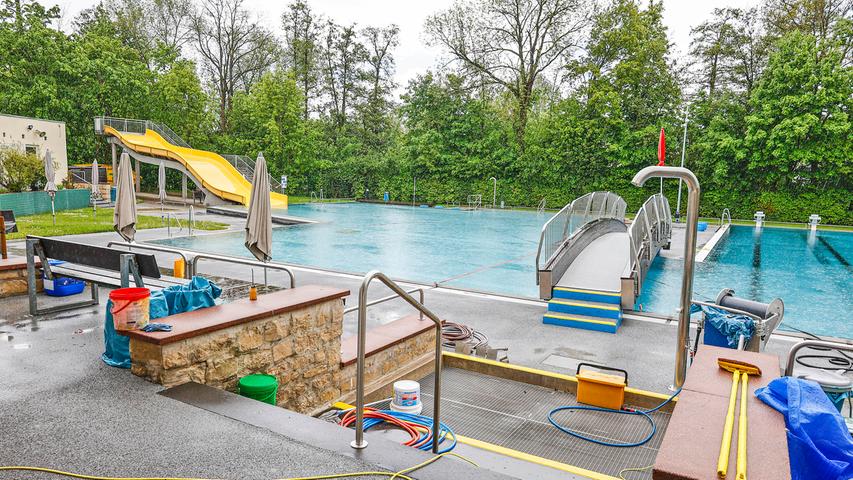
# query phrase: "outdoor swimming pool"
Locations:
[[494, 251], [812, 273], [484, 250]]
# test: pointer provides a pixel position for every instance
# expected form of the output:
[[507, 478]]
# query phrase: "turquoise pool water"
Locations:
[[811, 273], [494, 251], [483, 250]]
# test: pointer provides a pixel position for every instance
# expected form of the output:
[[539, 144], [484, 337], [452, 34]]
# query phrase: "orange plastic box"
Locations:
[[601, 389]]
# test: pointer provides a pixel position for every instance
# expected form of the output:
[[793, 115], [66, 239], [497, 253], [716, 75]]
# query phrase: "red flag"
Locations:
[[661, 148]]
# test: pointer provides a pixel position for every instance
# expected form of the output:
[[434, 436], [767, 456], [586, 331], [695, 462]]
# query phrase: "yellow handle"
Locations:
[[726, 445], [741, 432]]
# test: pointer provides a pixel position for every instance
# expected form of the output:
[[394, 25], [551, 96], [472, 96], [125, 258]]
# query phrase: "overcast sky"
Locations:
[[413, 56]]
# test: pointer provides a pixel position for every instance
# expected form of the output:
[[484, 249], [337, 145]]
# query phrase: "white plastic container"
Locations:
[[407, 397]]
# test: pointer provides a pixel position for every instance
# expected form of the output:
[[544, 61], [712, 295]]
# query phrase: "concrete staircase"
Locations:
[[583, 308]]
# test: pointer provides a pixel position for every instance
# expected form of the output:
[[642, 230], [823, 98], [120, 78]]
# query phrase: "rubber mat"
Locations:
[[515, 415]]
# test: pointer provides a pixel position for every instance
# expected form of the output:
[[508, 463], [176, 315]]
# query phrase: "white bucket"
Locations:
[[407, 397]]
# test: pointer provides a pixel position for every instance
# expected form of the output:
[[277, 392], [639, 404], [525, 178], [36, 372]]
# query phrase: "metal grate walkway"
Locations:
[[515, 415]]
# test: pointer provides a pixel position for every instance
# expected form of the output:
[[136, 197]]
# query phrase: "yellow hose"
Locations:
[[392, 475]]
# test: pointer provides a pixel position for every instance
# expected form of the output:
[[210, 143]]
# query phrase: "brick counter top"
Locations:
[[206, 320], [691, 443]]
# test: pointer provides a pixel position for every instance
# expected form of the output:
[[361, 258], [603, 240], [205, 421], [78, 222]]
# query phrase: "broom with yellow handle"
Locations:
[[740, 374]]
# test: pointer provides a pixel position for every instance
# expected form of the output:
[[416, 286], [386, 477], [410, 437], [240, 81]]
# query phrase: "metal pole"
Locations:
[[683, 340], [683, 151], [414, 189], [113, 150], [494, 191]]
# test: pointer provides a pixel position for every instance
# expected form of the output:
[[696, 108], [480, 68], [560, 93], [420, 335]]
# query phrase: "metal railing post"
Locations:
[[359, 441]]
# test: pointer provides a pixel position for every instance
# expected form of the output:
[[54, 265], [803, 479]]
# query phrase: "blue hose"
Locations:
[[421, 420], [644, 413]]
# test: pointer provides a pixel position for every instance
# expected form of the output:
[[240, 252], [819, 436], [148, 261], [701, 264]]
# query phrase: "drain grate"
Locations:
[[515, 415]]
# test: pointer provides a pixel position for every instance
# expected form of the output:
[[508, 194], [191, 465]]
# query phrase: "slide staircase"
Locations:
[[226, 177], [590, 265]]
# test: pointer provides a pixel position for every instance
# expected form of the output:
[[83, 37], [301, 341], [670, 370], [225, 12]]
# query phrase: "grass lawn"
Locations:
[[74, 222]]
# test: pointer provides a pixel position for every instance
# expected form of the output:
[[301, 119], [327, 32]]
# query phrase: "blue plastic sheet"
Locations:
[[819, 445], [198, 293], [729, 325]]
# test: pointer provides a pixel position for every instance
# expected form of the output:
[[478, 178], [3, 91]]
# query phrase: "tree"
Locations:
[[343, 53], [377, 76], [301, 37], [235, 51], [24, 12], [19, 171], [710, 45], [171, 21], [510, 42], [799, 132]]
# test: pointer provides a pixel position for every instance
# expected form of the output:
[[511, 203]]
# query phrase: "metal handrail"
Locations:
[[154, 248], [359, 441], [572, 218], [541, 207], [242, 261], [818, 344], [727, 215], [651, 228], [420, 290]]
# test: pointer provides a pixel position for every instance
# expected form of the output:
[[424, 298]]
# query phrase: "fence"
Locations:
[[29, 203]]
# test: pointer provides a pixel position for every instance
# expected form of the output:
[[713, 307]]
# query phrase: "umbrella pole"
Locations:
[[53, 210]]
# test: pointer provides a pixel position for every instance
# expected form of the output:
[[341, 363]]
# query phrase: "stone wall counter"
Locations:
[[294, 334]]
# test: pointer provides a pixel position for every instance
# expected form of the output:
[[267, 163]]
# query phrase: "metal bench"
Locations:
[[93, 264]]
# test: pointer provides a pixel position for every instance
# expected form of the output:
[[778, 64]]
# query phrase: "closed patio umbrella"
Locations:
[[124, 216], [95, 193], [259, 218], [50, 185], [161, 183]]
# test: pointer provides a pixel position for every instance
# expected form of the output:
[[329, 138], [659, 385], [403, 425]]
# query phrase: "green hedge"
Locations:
[[29, 203]]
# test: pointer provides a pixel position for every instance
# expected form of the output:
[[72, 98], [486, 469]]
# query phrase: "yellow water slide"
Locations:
[[211, 169]]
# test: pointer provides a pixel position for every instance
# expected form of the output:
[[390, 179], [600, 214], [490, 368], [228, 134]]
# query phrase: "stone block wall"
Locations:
[[380, 367], [301, 348], [14, 282]]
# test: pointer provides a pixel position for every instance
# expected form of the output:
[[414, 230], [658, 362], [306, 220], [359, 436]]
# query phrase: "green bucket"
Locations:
[[260, 387]]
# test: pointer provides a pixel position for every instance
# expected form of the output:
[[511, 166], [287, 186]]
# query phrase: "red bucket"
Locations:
[[130, 308]]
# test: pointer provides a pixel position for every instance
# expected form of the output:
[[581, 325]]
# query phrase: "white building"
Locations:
[[36, 136]]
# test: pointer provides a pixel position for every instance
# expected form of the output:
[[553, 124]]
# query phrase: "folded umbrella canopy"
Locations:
[[259, 219], [50, 186], [124, 215], [161, 182]]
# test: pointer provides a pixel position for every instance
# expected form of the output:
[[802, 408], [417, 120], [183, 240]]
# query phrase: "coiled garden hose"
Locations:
[[643, 413], [452, 332], [418, 427]]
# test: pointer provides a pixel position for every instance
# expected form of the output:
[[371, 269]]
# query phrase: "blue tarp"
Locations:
[[198, 293], [819, 445], [729, 325]]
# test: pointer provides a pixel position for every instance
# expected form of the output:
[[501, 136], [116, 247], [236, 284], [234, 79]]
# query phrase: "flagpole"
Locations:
[[683, 151]]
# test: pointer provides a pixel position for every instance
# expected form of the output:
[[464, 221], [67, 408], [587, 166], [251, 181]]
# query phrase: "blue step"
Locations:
[[607, 311], [582, 321], [588, 295]]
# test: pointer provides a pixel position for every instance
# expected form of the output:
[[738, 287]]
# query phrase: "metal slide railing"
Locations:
[[650, 230], [560, 229], [359, 441]]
